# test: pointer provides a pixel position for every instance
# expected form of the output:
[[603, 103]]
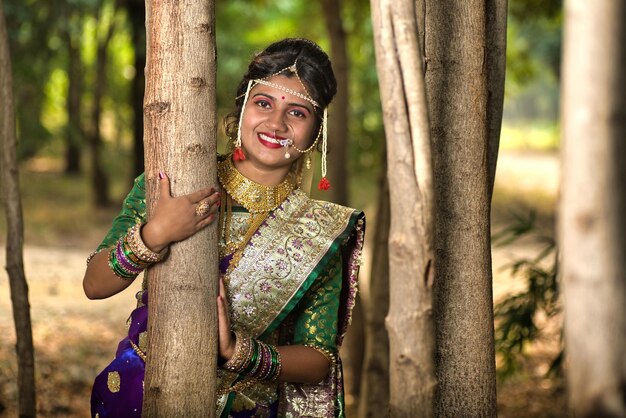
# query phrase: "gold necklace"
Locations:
[[258, 199], [253, 196]]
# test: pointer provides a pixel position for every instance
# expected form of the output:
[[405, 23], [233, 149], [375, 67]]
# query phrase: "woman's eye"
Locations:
[[263, 104], [298, 113]]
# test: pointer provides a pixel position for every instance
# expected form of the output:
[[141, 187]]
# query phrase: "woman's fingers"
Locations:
[[226, 340], [209, 205], [164, 186], [201, 194]]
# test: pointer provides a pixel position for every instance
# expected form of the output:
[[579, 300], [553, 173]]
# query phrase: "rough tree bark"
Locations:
[[338, 123], [463, 77], [180, 139], [592, 227], [410, 321], [374, 393], [15, 234]]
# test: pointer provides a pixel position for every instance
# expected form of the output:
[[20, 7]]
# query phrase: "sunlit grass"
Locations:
[[540, 136]]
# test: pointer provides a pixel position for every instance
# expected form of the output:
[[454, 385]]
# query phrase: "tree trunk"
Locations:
[[137, 17], [496, 71], [338, 123], [592, 207], [352, 352], [180, 128], [73, 105], [459, 70], [15, 234], [410, 322], [99, 179], [374, 393]]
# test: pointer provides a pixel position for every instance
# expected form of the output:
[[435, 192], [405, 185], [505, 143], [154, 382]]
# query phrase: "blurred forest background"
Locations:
[[78, 83]]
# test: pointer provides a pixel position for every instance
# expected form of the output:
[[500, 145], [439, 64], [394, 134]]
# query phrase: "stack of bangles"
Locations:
[[255, 359], [130, 256]]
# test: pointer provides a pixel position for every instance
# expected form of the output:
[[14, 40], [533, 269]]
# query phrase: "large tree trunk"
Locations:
[[592, 207], [99, 178], [374, 393], [15, 234], [338, 123], [460, 65], [74, 137], [410, 322], [180, 128], [137, 16]]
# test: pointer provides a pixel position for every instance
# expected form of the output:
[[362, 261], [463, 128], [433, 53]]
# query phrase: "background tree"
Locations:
[[180, 128], [104, 33], [593, 203], [75, 134], [338, 116], [137, 16], [403, 96], [374, 391], [464, 51], [15, 233]]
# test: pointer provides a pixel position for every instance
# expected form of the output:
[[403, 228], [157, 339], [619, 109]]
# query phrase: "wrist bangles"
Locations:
[[130, 255], [255, 359]]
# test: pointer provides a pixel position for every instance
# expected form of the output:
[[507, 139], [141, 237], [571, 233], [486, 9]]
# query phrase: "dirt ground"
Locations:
[[75, 338]]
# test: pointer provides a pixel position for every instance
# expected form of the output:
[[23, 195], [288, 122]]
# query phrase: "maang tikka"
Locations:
[[238, 154]]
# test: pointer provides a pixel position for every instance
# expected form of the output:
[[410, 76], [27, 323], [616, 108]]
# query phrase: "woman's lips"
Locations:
[[270, 141]]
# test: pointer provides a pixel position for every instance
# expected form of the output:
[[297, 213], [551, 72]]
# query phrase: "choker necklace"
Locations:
[[256, 198]]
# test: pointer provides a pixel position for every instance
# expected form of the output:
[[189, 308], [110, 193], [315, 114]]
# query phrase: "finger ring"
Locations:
[[203, 208]]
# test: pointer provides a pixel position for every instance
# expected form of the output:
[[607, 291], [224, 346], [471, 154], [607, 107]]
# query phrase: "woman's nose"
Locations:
[[276, 121]]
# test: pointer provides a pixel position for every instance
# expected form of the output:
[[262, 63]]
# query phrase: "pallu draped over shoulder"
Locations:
[[295, 283]]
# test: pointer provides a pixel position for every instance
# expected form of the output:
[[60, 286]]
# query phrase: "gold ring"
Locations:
[[203, 208]]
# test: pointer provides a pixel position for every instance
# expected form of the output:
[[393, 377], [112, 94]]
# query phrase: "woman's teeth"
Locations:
[[282, 142]]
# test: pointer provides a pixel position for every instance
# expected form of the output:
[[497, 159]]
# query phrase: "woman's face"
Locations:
[[275, 120]]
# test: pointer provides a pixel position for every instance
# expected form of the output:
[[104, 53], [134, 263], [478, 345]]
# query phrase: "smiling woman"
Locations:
[[288, 263]]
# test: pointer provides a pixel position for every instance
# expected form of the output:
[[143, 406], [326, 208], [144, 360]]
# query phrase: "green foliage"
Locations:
[[533, 59], [516, 316]]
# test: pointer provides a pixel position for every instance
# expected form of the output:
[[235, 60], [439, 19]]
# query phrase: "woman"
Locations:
[[288, 263]]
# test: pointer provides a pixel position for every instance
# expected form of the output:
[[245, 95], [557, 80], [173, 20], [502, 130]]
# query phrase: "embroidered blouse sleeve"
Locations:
[[133, 211], [316, 320]]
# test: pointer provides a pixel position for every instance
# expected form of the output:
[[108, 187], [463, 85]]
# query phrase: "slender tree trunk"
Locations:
[[338, 123], [73, 105], [15, 234], [592, 207], [410, 321], [180, 128], [374, 393], [99, 179], [137, 17], [459, 67], [496, 71]]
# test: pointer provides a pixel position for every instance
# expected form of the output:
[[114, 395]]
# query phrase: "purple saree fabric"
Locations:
[[118, 389]]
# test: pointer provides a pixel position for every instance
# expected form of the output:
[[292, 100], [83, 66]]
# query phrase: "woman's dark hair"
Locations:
[[314, 69]]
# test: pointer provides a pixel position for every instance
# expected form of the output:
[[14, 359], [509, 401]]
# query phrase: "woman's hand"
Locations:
[[226, 338], [175, 218]]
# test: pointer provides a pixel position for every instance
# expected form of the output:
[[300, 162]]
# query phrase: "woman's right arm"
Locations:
[[174, 219]]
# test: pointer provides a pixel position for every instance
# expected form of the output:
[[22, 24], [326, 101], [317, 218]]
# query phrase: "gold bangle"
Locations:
[[242, 355], [139, 248]]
